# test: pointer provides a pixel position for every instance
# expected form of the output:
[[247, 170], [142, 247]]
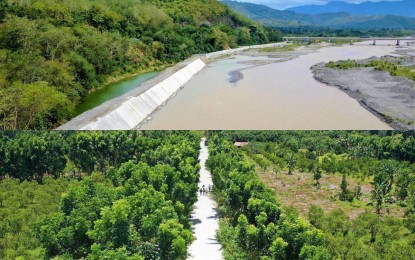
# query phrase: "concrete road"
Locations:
[[204, 218]]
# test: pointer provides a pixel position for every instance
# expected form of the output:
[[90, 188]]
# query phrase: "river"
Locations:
[[278, 95]]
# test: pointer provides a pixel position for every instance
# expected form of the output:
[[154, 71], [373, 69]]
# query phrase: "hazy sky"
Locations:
[[283, 4]]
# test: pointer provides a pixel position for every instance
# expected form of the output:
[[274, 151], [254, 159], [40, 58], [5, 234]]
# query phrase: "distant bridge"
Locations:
[[351, 39]]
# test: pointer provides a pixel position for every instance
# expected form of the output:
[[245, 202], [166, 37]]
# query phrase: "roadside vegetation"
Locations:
[[394, 68], [53, 53], [354, 187], [97, 195]]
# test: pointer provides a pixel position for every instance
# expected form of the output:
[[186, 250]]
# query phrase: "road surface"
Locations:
[[204, 218]]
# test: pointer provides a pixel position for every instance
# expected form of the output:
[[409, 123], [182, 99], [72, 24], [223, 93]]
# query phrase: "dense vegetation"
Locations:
[[21, 205], [254, 225], [395, 68], [125, 195], [385, 158], [52, 53]]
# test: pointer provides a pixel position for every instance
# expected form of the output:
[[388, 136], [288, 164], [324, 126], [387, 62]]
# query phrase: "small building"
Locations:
[[241, 144]]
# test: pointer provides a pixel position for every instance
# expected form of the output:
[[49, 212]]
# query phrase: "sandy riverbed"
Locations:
[[269, 91]]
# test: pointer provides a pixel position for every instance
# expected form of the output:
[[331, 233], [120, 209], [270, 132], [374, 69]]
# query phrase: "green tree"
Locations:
[[382, 184], [345, 194], [112, 229], [80, 151], [316, 216], [278, 249], [37, 105], [317, 175], [173, 240], [358, 191], [291, 161]]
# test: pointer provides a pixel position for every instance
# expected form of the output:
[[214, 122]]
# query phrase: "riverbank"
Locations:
[[119, 78], [115, 86], [388, 97], [112, 91]]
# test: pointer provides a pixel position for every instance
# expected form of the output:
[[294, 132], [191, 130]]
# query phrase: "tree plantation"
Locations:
[[52, 53], [103, 195], [256, 225]]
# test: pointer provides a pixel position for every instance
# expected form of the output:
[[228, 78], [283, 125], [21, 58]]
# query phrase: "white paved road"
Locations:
[[204, 218]]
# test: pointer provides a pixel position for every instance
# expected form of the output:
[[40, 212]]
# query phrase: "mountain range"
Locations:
[[340, 20], [399, 8]]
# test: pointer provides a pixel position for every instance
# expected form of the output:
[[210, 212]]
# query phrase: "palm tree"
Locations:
[[277, 170], [389, 169], [382, 184], [291, 162]]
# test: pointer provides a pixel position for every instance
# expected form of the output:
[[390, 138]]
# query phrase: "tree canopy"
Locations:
[[97, 195]]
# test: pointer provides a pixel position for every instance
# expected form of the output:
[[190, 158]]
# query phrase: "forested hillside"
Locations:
[[377, 173], [332, 20], [400, 8], [53, 52], [97, 195]]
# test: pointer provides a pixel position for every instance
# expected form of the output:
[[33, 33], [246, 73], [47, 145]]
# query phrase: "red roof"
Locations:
[[241, 144]]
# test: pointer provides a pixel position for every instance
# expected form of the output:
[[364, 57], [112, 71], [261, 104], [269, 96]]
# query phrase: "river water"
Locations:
[[278, 95], [112, 91]]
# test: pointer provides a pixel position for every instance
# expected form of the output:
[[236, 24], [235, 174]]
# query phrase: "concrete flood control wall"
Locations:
[[135, 107]]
